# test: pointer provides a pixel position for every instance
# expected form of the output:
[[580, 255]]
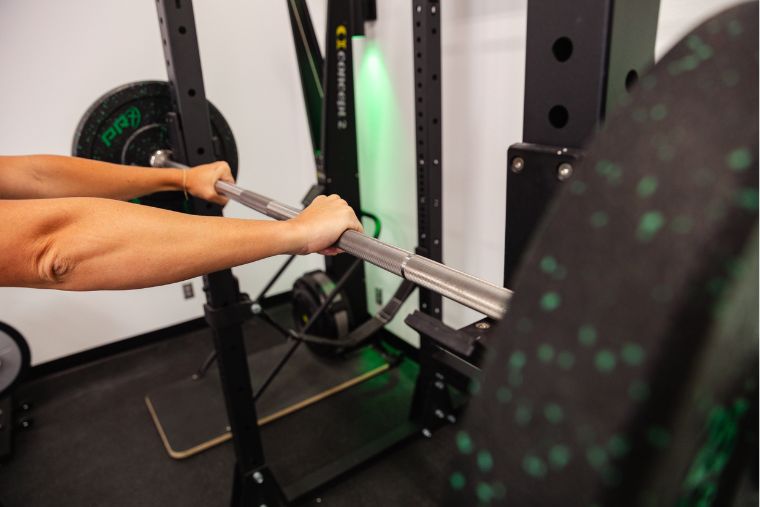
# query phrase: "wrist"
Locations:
[[168, 179], [293, 237]]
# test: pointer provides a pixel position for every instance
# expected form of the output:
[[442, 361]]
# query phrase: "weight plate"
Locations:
[[129, 123], [309, 291], [14, 358]]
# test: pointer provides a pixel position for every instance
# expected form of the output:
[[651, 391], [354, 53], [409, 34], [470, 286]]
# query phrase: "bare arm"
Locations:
[[46, 176], [94, 244]]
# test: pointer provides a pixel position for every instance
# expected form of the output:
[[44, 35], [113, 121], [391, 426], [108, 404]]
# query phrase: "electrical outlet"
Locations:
[[187, 290], [379, 296]]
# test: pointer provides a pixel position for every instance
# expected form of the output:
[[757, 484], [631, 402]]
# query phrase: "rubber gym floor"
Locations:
[[93, 441]]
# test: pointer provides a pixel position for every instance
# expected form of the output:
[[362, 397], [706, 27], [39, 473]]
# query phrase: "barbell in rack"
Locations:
[[470, 291]]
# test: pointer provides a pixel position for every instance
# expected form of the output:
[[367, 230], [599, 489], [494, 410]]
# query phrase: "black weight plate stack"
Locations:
[[129, 123], [309, 292], [14, 358]]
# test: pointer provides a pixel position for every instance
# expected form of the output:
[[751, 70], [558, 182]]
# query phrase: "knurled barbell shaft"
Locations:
[[472, 292]]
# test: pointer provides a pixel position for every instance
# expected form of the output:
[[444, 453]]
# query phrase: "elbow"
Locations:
[[53, 268]]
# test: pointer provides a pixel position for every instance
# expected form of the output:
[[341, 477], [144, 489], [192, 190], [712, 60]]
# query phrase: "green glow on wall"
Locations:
[[386, 170]]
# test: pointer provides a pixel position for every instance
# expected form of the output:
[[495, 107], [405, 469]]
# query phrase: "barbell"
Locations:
[[472, 292]]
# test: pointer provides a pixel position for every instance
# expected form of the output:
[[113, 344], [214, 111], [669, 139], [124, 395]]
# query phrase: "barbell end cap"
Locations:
[[160, 158]]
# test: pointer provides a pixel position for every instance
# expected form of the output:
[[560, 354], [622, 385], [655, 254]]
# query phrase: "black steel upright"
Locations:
[[431, 394], [225, 307], [582, 57], [427, 106], [339, 149]]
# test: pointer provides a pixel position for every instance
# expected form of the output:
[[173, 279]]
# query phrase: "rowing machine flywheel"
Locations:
[[309, 292], [14, 358], [130, 123]]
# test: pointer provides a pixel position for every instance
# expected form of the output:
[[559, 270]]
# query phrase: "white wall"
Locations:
[[56, 57]]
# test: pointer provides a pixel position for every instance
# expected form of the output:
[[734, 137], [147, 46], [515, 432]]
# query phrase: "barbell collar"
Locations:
[[470, 291]]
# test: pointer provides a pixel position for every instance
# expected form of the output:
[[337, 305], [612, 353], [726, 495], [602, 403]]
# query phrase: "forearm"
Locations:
[[92, 244], [48, 176]]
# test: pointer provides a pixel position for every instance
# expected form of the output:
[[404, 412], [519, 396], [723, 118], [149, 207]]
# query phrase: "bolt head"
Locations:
[[518, 164], [483, 325], [564, 171], [258, 477], [426, 433], [439, 413]]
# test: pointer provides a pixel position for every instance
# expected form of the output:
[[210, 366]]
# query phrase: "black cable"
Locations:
[[274, 279], [269, 320], [201, 372], [314, 317], [338, 286], [211, 358]]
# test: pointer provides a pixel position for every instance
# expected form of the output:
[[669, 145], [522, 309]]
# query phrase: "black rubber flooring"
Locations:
[[93, 442]]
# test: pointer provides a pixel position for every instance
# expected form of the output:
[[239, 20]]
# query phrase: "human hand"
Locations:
[[200, 181], [321, 224]]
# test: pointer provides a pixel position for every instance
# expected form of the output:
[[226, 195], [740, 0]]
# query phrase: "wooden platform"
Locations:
[[190, 416]]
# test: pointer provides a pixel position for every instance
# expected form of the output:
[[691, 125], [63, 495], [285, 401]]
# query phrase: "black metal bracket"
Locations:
[[448, 337], [313, 192], [231, 315], [581, 60], [363, 11], [534, 173]]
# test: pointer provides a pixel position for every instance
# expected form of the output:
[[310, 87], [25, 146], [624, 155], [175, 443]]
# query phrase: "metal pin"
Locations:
[[564, 171], [517, 164]]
